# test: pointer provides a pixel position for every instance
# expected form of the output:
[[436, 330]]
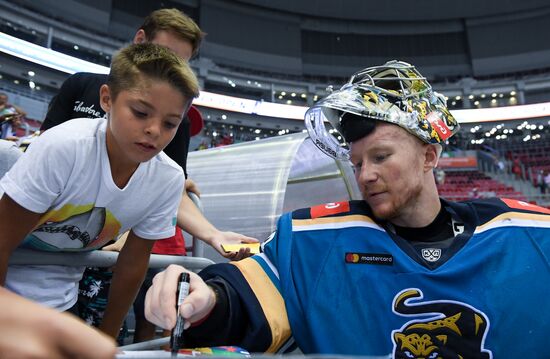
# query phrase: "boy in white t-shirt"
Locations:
[[82, 183]]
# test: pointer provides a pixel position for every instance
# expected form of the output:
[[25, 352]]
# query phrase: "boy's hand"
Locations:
[[191, 186], [231, 238], [160, 300]]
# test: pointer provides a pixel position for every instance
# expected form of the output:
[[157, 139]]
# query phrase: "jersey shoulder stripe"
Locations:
[[490, 213], [487, 209], [335, 209], [524, 206], [268, 268], [487, 214], [334, 216], [354, 220], [515, 219], [270, 299], [261, 337]]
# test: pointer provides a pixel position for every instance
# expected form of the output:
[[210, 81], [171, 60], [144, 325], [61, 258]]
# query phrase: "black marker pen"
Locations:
[[176, 337]]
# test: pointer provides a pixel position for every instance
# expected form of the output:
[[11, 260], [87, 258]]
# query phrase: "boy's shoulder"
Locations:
[[77, 128], [6, 145], [67, 135], [9, 154], [167, 165]]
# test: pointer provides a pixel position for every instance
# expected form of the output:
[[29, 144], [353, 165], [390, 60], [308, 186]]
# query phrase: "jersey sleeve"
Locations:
[[255, 317], [61, 105], [160, 221], [40, 175]]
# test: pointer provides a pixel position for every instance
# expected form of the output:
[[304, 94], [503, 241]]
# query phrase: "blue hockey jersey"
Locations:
[[338, 282]]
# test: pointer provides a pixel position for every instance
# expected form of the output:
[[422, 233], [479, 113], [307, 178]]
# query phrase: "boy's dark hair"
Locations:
[[176, 22]]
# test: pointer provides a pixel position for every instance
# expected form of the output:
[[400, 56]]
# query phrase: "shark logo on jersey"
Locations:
[[431, 254], [453, 329]]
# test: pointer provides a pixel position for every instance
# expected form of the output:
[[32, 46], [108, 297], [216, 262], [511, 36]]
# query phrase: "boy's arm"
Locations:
[[191, 220], [15, 223], [128, 275], [30, 330]]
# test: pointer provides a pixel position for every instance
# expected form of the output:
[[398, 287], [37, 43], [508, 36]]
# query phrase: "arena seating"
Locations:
[[534, 159], [463, 185]]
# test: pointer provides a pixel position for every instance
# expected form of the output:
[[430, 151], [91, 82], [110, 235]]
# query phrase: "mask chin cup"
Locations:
[[323, 139]]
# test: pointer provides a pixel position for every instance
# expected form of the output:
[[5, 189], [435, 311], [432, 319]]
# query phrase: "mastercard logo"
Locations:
[[352, 257]]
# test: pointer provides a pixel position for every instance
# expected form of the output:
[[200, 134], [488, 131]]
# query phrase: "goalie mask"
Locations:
[[394, 92]]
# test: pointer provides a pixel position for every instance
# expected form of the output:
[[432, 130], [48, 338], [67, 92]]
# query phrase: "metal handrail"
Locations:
[[198, 245], [149, 344], [100, 258]]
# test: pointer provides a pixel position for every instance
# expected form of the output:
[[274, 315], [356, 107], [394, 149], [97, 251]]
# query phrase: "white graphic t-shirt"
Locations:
[[66, 175]]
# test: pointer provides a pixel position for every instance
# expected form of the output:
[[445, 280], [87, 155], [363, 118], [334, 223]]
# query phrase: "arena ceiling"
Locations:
[[400, 10], [448, 40]]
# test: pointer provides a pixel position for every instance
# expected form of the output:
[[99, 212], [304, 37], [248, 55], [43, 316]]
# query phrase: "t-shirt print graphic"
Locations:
[[74, 233]]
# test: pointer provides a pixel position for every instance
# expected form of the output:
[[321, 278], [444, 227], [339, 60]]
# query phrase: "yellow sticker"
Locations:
[[254, 247]]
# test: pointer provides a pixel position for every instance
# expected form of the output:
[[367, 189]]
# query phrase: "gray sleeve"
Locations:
[[9, 154]]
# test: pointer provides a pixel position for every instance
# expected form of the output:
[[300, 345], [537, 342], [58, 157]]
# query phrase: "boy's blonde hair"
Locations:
[[134, 62], [176, 22]]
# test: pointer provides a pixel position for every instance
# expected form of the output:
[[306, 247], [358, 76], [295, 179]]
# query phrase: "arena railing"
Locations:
[[99, 258], [197, 248]]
